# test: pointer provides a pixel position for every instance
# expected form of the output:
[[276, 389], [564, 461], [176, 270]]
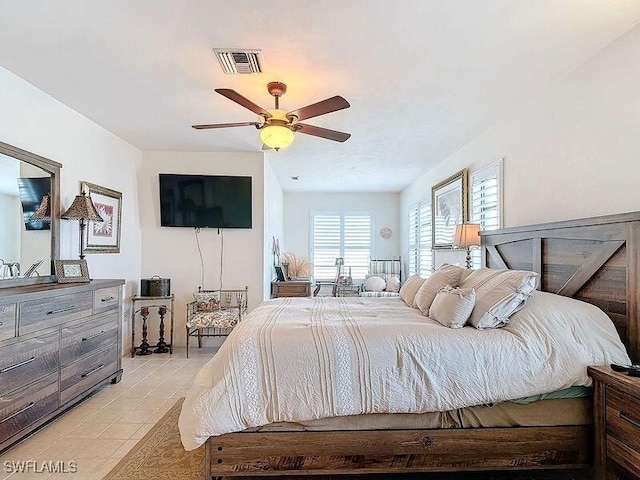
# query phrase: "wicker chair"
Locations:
[[214, 313]]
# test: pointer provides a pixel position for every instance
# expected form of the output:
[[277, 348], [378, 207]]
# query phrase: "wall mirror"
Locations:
[[27, 248]]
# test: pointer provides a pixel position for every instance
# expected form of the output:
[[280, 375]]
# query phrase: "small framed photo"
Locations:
[[72, 271], [448, 208], [280, 273], [104, 237]]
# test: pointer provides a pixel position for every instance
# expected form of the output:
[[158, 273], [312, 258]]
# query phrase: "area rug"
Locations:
[[160, 455]]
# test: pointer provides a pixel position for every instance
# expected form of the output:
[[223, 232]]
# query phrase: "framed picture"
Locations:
[[448, 208], [280, 273], [72, 271], [103, 237]]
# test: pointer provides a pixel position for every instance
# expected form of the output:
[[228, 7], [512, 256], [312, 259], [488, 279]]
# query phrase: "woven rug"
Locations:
[[160, 455]]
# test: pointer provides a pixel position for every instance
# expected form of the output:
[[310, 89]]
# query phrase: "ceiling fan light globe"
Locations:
[[276, 136]]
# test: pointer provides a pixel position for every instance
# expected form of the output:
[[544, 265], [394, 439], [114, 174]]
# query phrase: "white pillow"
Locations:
[[446, 275], [375, 284], [393, 284], [499, 294], [410, 288], [452, 307]]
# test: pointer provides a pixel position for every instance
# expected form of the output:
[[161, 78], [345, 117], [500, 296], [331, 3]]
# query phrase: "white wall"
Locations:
[[570, 152], [34, 121], [273, 223], [11, 222], [298, 207], [171, 252]]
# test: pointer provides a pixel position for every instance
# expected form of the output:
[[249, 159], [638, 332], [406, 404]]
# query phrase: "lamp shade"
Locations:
[[467, 235], [276, 136], [82, 208], [43, 212]]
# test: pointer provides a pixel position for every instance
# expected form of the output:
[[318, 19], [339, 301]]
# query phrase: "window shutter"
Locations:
[[420, 254], [485, 202], [346, 235]]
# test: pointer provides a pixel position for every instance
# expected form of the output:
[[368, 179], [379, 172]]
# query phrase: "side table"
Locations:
[[164, 304], [291, 288]]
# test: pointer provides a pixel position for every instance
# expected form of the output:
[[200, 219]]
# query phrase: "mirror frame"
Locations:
[[54, 170]]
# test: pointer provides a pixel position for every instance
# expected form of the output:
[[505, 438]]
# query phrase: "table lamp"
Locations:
[[82, 209], [467, 235]]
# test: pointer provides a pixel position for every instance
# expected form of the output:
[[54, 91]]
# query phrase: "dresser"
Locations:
[[58, 343], [291, 288], [616, 406]]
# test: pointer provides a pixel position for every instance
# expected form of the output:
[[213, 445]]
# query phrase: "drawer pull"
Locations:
[[61, 310], [91, 372], [22, 410], [109, 299], [6, 369], [91, 337], [1, 323], [625, 416]]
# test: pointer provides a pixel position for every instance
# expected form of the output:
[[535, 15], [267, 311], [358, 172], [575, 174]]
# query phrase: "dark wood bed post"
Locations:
[[596, 260]]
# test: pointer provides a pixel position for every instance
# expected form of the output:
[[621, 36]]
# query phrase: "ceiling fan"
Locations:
[[278, 126]]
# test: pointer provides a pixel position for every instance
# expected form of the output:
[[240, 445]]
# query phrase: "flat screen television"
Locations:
[[31, 192], [205, 201]]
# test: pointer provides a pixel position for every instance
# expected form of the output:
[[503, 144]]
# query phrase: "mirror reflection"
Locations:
[[25, 245]]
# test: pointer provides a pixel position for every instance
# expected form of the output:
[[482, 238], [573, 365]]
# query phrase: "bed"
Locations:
[[595, 260]]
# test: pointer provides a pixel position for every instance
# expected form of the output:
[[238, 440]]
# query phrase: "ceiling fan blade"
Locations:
[[225, 125], [323, 132], [329, 105], [245, 102]]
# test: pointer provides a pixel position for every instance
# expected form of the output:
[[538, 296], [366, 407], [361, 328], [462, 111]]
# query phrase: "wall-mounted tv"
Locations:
[[205, 201]]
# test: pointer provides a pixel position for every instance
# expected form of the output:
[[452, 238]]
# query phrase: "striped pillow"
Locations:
[[453, 306], [446, 275], [499, 294]]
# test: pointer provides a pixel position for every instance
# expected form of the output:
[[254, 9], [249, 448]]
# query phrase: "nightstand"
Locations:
[[291, 288], [616, 410]]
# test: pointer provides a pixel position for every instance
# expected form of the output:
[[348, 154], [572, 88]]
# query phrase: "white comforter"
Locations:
[[308, 358]]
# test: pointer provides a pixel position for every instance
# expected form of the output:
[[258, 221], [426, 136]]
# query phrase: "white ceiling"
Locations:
[[424, 77]]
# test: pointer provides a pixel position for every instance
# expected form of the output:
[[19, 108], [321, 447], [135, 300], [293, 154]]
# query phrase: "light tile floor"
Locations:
[[100, 431]]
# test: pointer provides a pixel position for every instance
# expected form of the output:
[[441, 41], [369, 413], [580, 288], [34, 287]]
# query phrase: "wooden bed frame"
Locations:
[[596, 260]]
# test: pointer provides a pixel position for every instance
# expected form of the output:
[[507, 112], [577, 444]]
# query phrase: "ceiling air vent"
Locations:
[[238, 61]]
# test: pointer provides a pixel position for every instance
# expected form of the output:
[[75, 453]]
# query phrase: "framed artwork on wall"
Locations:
[[448, 208], [104, 237]]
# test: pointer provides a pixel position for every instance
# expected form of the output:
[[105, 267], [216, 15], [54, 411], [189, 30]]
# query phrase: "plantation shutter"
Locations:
[[346, 235], [485, 203], [420, 253]]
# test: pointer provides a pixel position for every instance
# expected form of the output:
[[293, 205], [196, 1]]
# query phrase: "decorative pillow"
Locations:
[[207, 301], [499, 294], [452, 307], [393, 284], [375, 284], [410, 288], [445, 275]]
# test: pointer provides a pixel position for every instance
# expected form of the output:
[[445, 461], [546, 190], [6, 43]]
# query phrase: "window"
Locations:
[[485, 201], [420, 253], [339, 234]]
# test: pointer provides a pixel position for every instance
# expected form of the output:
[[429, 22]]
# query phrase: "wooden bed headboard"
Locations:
[[596, 260]]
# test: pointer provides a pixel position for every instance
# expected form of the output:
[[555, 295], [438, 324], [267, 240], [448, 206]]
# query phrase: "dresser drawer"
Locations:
[[626, 461], [87, 336], [106, 299], [29, 360], [51, 311], [623, 417], [84, 374], [25, 407], [7, 321]]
